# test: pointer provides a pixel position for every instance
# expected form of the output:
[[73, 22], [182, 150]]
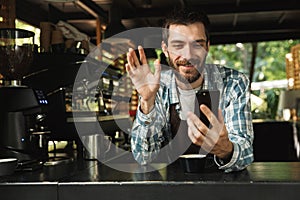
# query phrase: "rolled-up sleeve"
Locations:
[[238, 121], [146, 133]]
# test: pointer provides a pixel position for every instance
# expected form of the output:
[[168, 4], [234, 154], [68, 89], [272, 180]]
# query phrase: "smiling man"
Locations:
[[167, 99]]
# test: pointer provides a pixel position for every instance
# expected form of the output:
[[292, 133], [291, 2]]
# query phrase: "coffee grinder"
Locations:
[[22, 130]]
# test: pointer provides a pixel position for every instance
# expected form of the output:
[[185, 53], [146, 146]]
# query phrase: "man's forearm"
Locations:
[[147, 106]]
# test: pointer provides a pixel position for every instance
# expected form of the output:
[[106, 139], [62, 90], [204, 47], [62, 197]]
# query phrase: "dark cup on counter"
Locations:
[[193, 163]]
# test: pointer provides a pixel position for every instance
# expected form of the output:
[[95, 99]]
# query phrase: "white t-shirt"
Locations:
[[187, 101]]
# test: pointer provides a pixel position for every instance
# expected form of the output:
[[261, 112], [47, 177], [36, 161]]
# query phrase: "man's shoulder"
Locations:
[[228, 73], [224, 69]]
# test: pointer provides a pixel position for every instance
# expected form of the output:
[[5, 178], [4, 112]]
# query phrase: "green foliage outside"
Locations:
[[269, 66]]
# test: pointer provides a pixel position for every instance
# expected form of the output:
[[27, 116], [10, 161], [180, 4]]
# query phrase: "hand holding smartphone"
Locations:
[[211, 99]]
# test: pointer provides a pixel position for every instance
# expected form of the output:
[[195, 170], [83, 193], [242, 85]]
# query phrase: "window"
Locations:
[[269, 76]]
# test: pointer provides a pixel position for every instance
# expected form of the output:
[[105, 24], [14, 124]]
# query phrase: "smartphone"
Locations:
[[211, 99]]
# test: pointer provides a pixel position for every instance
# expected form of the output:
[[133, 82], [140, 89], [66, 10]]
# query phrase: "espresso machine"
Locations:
[[23, 132]]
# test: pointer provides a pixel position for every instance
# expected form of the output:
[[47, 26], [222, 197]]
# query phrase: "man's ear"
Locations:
[[208, 45], [164, 48]]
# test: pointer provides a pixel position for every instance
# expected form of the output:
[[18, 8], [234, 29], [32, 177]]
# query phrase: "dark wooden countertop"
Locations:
[[86, 180]]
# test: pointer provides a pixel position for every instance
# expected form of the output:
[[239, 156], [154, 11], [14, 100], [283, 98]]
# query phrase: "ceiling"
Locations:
[[232, 20]]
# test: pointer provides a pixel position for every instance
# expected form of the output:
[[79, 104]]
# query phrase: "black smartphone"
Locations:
[[211, 99]]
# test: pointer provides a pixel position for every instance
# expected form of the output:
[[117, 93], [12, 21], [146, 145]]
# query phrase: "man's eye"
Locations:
[[177, 46], [199, 45]]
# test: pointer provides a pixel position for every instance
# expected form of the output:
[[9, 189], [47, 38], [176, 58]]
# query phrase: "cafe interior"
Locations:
[[67, 105]]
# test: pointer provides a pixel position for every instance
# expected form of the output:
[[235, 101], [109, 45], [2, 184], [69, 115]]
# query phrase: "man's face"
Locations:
[[187, 49]]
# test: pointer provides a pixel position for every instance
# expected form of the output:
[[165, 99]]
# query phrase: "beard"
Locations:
[[190, 77], [187, 75]]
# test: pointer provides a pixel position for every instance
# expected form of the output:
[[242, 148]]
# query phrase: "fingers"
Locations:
[[209, 114], [199, 134], [192, 136], [133, 62], [220, 116], [195, 121], [197, 128], [132, 59], [135, 58], [128, 69], [157, 68], [214, 139], [130, 62], [143, 58]]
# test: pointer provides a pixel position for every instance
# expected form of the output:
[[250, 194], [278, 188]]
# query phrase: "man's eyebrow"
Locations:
[[180, 41], [200, 40], [177, 41]]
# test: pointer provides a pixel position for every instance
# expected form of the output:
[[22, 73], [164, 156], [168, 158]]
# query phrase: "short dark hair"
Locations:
[[186, 17]]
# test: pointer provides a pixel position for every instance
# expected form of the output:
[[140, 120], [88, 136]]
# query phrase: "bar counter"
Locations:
[[84, 180]]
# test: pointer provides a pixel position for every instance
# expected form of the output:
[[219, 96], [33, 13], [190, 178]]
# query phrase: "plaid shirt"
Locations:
[[151, 131]]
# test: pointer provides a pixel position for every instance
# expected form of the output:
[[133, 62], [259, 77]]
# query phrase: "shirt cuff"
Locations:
[[235, 157], [145, 119]]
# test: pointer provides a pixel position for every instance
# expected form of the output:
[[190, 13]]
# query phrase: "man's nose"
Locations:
[[187, 52]]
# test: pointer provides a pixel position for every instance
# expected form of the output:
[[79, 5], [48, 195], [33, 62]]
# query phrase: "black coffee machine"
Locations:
[[22, 109]]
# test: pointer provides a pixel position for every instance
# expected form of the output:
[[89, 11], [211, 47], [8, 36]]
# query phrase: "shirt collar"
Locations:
[[213, 79]]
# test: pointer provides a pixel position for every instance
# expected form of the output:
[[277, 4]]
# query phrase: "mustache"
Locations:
[[183, 62], [186, 62]]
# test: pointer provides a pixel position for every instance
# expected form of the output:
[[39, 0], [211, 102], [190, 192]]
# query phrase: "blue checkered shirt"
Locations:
[[151, 131]]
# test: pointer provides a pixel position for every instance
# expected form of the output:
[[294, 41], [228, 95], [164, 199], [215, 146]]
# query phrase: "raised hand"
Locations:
[[145, 82]]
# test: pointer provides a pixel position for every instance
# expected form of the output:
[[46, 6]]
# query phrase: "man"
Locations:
[[165, 93]]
